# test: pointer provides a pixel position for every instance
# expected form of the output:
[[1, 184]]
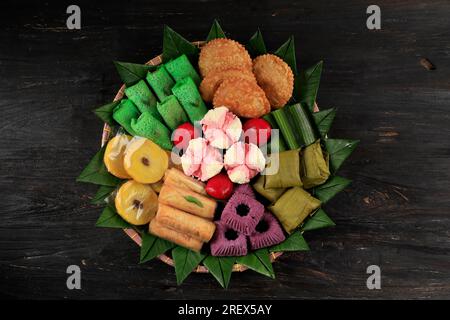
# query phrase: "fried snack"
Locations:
[[187, 201], [275, 77], [242, 97], [175, 236], [186, 223], [178, 178], [221, 54], [212, 81]]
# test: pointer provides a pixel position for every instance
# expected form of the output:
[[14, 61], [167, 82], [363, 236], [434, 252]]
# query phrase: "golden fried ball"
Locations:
[[220, 54], [275, 77], [242, 97], [212, 81]]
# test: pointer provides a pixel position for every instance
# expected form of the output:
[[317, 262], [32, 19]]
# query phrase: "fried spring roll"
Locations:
[[187, 200], [186, 223], [184, 240], [178, 178]]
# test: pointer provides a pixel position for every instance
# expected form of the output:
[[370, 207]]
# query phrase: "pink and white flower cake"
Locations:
[[222, 131]]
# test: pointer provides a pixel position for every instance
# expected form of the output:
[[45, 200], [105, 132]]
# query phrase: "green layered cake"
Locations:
[[187, 94], [143, 98], [172, 112], [151, 128], [181, 68], [124, 113], [161, 82]]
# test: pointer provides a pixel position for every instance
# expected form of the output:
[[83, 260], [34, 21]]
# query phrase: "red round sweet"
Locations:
[[220, 186], [183, 134], [257, 127]]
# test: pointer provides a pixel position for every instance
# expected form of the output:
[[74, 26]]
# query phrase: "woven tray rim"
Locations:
[[131, 232]]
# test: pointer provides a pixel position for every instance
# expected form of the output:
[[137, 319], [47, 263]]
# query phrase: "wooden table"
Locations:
[[396, 214]]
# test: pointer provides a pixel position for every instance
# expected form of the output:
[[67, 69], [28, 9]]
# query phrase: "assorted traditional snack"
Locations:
[[226, 161]]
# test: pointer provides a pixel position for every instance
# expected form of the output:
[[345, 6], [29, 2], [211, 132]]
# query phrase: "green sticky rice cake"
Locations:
[[294, 206], [124, 113], [315, 166], [151, 128], [172, 112], [288, 173], [143, 98], [188, 95], [161, 82], [181, 68], [271, 194]]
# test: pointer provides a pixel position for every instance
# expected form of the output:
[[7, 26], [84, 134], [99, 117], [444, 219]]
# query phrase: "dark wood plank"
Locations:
[[396, 214]]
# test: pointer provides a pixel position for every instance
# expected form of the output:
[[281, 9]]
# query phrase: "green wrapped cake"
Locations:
[[124, 113], [288, 173], [143, 98], [181, 68], [172, 112], [271, 194], [315, 170], [188, 95], [293, 207], [161, 82], [151, 128]]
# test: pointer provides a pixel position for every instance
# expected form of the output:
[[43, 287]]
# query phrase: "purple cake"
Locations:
[[245, 189], [268, 233], [242, 213], [228, 242]]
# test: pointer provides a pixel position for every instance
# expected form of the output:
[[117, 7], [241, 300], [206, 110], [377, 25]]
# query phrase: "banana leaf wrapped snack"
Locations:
[[161, 82], [143, 98], [315, 169], [271, 194], [288, 173], [293, 207]]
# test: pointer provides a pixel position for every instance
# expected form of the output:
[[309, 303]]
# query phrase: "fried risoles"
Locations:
[[275, 77], [221, 54], [242, 97], [213, 80]]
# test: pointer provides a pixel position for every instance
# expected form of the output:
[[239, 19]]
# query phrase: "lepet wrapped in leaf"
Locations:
[[161, 82], [172, 112], [315, 170], [288, 173], [124, 113], [293, 207], [271, 194], [181, 68], [151, 128], [188, 95], [143, 98]]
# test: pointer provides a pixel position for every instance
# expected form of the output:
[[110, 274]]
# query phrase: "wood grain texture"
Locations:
[[396, 214]]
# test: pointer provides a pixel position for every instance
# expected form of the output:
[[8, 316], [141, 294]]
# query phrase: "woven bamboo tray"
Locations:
[[131, 232]]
